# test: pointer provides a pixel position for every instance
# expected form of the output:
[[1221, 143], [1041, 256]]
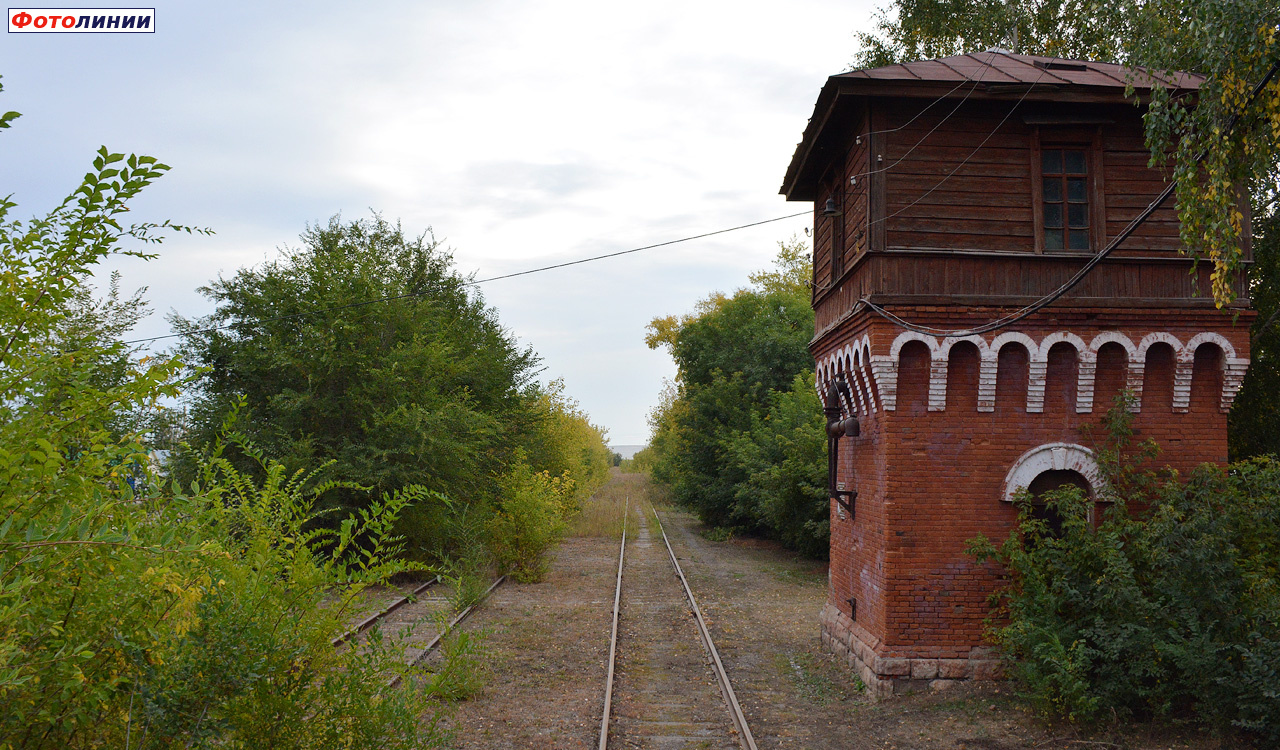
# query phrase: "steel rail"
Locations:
[[434, 643], [368, 622], [722, 677], [613, 636]]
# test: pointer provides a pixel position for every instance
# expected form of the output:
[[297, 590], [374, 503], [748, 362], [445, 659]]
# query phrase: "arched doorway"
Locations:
[[1046, 468], [1047, 481]]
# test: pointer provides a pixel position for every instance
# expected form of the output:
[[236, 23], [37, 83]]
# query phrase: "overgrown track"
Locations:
[[435, 641], [382, 615], [669, 710]]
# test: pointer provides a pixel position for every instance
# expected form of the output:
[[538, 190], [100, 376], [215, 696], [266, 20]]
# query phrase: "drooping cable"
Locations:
[[473, 282], [1079, 276]]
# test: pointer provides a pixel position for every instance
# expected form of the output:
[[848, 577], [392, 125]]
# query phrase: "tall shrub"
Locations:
[[739, 436], [1168, 607], [364, 346], [134, 614]]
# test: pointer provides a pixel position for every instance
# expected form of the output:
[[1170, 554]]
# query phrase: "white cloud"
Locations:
[[523, 133]]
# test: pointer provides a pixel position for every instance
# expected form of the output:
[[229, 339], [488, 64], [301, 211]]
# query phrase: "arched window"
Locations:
[[1048, 481]]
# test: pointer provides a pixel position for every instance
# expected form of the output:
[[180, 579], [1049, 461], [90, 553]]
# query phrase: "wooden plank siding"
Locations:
[[960, 215], [932, 278], [853, 197]]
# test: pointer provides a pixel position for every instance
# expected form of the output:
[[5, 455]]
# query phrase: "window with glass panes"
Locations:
[[1065, 175]]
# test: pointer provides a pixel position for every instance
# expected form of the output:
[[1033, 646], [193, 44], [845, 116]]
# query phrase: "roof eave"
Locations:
[[842, 87]]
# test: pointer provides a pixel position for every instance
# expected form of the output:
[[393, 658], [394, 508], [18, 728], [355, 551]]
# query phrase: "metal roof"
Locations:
[[994, 74], [998, 66]]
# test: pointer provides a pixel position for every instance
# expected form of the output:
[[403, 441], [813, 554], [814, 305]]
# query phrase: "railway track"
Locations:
[[410, 609], [665, 707]]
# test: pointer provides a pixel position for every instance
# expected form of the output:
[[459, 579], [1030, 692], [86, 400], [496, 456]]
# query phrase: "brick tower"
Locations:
[[949, 193]]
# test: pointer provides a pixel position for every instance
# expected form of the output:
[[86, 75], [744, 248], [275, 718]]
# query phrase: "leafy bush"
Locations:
[[136, 614], [530, 519], [407, 378], [785, 454], [1169, 607], [563, 442]]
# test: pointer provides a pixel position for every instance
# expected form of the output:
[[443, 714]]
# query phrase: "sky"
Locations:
[[521, 134]]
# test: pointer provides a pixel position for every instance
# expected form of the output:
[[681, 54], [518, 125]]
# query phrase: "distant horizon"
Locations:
[[628, 451]]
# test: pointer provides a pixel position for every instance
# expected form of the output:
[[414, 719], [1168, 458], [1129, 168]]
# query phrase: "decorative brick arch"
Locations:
[[907, 337], [1188, 351], [1233, 366], [990, 366], [942, 361], [1061, 337], [1084, 397], [1138, 367], [851, 377], [1159, 337], [1233, 370], [1052, 457], [1112, 337], [1086, 367], [886, 368], [858, 375]]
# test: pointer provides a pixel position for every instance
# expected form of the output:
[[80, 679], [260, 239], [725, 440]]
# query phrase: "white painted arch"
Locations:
[[1050, 457]]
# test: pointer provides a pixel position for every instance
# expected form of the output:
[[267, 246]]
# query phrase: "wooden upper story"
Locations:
[[988, 178]]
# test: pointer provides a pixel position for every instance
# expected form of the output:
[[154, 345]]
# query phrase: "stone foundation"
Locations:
[[886, 676]]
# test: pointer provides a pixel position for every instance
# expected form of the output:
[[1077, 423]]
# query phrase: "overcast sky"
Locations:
[[522, 133]]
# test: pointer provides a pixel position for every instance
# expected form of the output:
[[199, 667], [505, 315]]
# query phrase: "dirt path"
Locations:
[[549, 646]]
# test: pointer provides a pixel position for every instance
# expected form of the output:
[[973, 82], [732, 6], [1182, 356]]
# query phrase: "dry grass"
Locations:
[[601, 515]]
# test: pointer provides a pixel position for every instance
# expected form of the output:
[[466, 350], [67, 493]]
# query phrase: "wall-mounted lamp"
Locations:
[[831, 209]]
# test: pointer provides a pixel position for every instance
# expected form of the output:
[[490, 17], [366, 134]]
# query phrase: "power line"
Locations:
[[957, 168], [972, 153], [1056, 294], [975, 83], [638, 249], [474, 282], [1043, 301]]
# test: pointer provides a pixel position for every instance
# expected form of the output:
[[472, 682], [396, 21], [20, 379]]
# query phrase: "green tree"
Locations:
[[1255, 416], [365, 347], [738, 437], [563, 442], [785, 457], [141, 615], [922, 29]]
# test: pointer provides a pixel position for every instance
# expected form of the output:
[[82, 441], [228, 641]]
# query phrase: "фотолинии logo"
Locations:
[[81, 20]]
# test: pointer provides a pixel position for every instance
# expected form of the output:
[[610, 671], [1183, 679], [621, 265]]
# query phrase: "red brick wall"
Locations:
[[929, 481]]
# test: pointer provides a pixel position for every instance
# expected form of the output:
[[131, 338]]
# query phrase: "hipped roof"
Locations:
[[993, 74]]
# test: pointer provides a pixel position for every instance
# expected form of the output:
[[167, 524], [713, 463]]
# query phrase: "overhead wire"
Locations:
[[993, 325], [1079, 276], [469, 282], [974, 87], [959, 166]]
